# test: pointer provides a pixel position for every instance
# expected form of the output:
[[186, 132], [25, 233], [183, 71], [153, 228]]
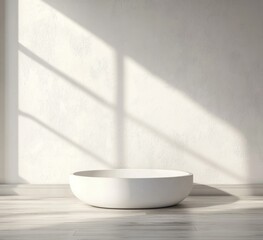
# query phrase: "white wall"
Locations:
[[138, 84]]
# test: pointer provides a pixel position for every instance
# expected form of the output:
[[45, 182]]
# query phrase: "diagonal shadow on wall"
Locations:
[[124, 115], [211, 51], [64, 138]]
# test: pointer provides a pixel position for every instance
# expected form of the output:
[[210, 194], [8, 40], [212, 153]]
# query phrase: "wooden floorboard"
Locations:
[[198, 217]]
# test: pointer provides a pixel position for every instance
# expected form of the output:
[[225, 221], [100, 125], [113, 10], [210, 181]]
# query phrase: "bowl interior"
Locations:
[[133, 173]]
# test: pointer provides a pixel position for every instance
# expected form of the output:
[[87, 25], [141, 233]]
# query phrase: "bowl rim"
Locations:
[[186, 174]]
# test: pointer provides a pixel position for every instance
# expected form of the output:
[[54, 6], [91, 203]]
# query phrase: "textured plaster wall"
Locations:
[[140, 84]]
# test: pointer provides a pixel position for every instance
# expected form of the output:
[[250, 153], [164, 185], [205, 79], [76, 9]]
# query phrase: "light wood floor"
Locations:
[[223, 217]]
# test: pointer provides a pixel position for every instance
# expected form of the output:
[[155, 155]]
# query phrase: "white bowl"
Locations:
[[131, 188]]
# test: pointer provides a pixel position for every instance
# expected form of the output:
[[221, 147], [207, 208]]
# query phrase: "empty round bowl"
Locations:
[[131, 188]]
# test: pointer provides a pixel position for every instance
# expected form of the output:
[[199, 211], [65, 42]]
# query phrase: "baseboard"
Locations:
[[227, 190], [49, 190], [63, 190]]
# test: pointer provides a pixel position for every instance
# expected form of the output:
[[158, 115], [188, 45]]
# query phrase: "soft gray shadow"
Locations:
[[211, 51], [64, 138], [206, 202], [206, 190], [209, 196], [121, 115]]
